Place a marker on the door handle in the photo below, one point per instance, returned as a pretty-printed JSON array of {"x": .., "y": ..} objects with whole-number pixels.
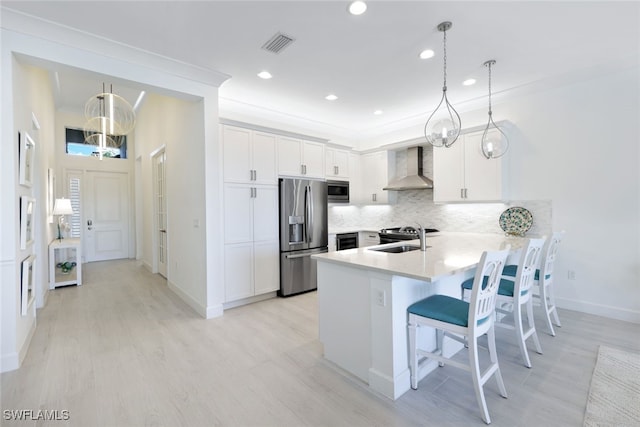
[{"x": 89, "y": 224}]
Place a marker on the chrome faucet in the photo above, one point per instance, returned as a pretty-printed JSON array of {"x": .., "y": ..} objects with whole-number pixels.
[{"x": 423, "y": 237}]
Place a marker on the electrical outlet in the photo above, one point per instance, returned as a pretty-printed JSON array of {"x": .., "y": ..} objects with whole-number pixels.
[
  {"x": 571, "y": 274},
  {"x": 381, "y": 298}
]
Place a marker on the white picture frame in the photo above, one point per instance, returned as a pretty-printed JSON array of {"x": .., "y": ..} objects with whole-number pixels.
[
  {"x": 27, "y": 221},
  {"x": 26, "y": 152},
  {"x": 27, "y": 283}
]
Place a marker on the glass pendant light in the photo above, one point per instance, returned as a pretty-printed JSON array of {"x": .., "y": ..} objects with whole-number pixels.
[
  {"x": 108, "y": 114},
  {"x": 443, "y": 132},
  {"x": 494, "y": 141}
]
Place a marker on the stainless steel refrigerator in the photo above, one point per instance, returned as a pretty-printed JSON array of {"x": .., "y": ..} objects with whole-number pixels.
[{"x": 303, "y": 232}]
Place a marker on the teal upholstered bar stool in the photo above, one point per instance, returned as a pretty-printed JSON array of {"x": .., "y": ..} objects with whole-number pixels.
[
  {"x": 464, "y": 322},
  {"x": 514, "y": 295},
  {"x": 544, "y": 279}
]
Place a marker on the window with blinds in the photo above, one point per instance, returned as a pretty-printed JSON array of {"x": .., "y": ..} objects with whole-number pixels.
[{"x": 75, "y": 220}]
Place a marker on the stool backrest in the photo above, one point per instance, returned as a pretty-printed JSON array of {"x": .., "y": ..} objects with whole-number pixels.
[
  {"x": 482, "y": 303},
  {"x": 549, "y": 253},
  {"x": 529, "y": 261}
]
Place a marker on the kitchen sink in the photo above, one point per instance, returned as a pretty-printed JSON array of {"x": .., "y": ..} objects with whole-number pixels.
[{"x": 397, "y": 249}]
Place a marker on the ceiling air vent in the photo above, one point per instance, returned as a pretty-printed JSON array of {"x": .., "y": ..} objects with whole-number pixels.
[{"x": 278, "y": 42}]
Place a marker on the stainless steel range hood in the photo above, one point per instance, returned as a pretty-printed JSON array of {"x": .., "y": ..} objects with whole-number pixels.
[{"x": 414, "y": 179}]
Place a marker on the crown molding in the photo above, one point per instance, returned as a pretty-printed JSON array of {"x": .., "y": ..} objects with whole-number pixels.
[{"x": 64, "y": 36}]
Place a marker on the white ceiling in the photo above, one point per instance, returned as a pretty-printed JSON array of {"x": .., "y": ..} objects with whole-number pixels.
[{"x": 370, "y": 61}]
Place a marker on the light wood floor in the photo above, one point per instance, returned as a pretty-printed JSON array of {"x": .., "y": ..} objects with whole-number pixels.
[{"x": 123, "y": 350}]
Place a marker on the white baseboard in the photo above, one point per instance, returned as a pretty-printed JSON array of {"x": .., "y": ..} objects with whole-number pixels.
[
  {"x": 249, "y": 300},
  {"x": 599, "y": 310},
  {"x": 27, "y": 341},
  {"x": 199, "y": 308},
  {"x": 214, "y": 311},
  {"x": 9, "y": 362},
  {"x": 146, "y": 265},
  {"x": 12, "y": 361}
]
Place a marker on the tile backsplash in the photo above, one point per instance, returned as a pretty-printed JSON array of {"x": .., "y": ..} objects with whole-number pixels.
[{"x": 417, "y": 206}]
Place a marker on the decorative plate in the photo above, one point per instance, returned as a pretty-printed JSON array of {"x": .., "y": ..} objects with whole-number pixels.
[{"x": 516, "y": 221}]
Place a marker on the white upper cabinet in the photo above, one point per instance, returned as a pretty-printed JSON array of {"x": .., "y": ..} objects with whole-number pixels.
[
  {"x": 336, "y": 164},
  {"x": 462, "y": 174},
  {"x": 249, "y": 156},
  {"x": 374, "y": 168},
  {"x": 300, "y": 158}
]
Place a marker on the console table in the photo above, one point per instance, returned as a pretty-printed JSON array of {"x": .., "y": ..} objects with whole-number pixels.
[{"x": 61, "y": 252}]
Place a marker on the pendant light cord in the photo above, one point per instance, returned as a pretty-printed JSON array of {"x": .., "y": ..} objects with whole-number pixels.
[
  {"x": 444, "y": 88},
  {"x": 489, "y": 65}
]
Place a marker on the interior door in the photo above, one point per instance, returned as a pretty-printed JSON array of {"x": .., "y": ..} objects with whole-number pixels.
[
  {"x": 160, "y": 210},
  {"x": 106, "y": 218}
]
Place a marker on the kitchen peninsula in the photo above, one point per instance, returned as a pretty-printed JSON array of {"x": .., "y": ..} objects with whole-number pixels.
[{"x": 363, "y": 295}]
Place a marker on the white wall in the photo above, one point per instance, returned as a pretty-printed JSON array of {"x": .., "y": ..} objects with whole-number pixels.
[
  {"x": 179, "y": 127},
  {"x": 578, "y": 146},
  {"x": 30, "y": 100}
]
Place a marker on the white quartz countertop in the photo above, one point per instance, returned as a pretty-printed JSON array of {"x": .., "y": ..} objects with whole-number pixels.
[{"x": 448, "y": 253}]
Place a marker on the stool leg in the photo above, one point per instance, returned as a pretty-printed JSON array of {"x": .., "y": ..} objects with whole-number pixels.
[
  {"x": 413, "y": 357},
  {"x": 474, "y": 363},
  {"x": 517, "y": 318},
  {"x": 440, "y": 344},
  {"x": 493, "y": 356},
  {"x": 552, "y": 300},
  {"x": 532, "y": 326},
  {"x": 545, "y": 305}
]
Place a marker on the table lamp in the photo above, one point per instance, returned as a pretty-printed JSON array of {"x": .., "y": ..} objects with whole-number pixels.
[{"x": 61, "y": 208}]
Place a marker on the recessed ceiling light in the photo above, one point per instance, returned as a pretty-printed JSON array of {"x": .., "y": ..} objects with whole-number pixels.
[
  {"x": 469, "y": 82},
  {"x": 331, "y": 97},
  {"x": 264, "y": 75},
  {"x": 377, "y": 112},
  {"x": 357, "y": 7},
  {"x": 426, "y": 54}
]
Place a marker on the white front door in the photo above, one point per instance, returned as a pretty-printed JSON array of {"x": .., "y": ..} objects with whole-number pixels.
[
  {"x": 160, "y": 210},
  {"x": 106, "y": 216}
]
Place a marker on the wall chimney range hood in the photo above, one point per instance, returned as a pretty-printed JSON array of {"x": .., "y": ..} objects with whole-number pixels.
[{"x": 414, "y": 179}]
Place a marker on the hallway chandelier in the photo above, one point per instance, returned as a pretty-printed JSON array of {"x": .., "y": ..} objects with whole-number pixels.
[
  {"x": 109, "y": 118},
  {"x": 494, "y": 141},
  {"x": 443, "y": 132}
]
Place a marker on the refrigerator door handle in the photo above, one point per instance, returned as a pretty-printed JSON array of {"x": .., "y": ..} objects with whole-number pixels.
[
  {"x": 310, "y": 222},
  {"x": 298, "y": 256},
  {"x": 305, "y": 253},
  {"x": 306, "y": 214}
]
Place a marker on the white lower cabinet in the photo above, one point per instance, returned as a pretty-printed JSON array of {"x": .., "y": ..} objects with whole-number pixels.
[
  {"x": 368, "y": 238},
  {"x": 251, "y": 269},
  {"x": 266, "y": 266},
  {"x": 252, "y": 246},
  {"x": 332, "y": 243}
]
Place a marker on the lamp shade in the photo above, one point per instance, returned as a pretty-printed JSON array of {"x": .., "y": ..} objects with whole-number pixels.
[{"x": 62, "y": 207}]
